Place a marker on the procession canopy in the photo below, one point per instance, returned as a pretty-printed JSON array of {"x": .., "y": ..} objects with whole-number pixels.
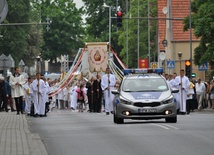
[{"x": 90, "y": 62}]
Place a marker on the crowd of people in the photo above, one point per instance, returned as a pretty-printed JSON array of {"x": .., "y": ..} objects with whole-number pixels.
[
  {"x": 93, "y": 95},
  {"x": 194, "y": 94},
  {"x": 31, "y": 96}
]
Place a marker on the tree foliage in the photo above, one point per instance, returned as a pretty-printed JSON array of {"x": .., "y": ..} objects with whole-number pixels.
[
  {"x": 28, "y": 41},
  {"x": 66, "y": 29},
  {"x": 143, "y": 33},
  {"x": 97, "y": 20},
  {"x": 202, "y": 22},
  {"x": 15, "y": 38}
]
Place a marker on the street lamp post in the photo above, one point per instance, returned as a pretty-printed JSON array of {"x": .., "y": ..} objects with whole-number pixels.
[
  {"x": 110, "y": 8},
  {"x": 190, "y": 29}
]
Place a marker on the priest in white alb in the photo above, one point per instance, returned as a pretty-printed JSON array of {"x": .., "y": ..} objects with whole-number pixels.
[
  {"x": 39, "y": 90},
  {"x": 182, "y": 83},
  {"x": 108, "y": 82}
]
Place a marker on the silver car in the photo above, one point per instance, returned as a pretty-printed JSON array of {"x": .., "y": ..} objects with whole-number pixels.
[{"x": 144, "y": 96}]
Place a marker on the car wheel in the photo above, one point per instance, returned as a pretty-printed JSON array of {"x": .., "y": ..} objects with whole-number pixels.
[
  {"x": 171, "y": 119},
  {"x": 116, "y": 119}
]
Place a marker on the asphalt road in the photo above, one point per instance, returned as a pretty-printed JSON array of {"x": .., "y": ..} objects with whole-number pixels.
[{"x": 73, "y": 133}]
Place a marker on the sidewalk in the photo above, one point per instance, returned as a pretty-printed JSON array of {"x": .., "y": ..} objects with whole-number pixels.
[{"x": 15, "y": 137}]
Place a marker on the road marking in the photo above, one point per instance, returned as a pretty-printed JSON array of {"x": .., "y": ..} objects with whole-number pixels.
[
  {"x": 171, "y": 126},
  {"x": 166, "y": 126},
  {"x": 161, "y": 126}
]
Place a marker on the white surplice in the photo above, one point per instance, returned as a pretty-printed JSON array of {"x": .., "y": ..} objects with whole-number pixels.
[
  {"x": 182, "y": 83},
  {"x": 38, "y": 88},
  {"x": 28, "y": 97},
  {"x": 108, "y": 80}
]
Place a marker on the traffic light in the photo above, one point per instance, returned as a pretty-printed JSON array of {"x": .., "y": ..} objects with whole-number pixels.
[
  {"x": 188, "y": 68},
  {"x": 193, "y": 75},
  {"x": 119, "y": 18}
]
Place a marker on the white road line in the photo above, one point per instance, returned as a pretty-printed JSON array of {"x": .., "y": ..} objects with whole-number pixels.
[
  {"x": 164, "y": 127},
  {"x": 171, "y": 126}
]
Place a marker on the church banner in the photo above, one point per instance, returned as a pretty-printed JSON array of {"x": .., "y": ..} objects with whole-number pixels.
[{"x": 98, "y": 57}]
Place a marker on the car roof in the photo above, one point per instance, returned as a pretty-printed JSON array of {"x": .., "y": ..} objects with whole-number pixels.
[{"x": 136, "y": 76}]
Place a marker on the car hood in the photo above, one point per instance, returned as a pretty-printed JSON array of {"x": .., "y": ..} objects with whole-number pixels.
[{"x": 145, "y": 96}]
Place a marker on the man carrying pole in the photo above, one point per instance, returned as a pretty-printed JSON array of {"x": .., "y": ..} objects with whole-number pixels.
[
  {"x": 108, "y": 82},
  {"x": 182, "y": 83},
  {"x": 38, "y": 88}
]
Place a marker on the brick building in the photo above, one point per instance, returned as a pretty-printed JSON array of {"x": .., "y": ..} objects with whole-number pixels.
[{"x": 171, "y": 31}]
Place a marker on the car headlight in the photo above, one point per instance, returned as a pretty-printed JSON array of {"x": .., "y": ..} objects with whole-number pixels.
[
  {"x": 122, "y": 101},
  {"x": 169, "y": 100}
]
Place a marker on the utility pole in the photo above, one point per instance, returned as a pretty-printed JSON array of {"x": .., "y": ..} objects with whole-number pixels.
[
  {"x": 138, "y": 34},
  {"x": 149, "y": 32},
  {"x": 109, "y": 39},
  {"x": 127, "y": 35},
  {"x": 190, "y": 29}
]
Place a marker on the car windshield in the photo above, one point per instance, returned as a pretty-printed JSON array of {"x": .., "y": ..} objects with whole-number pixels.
[{"x": 144, "y": 84}]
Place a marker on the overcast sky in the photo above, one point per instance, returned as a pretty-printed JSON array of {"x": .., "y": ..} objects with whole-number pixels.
[{"x": 79, "y": 3}]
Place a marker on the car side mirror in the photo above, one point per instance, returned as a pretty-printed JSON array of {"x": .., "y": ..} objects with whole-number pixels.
[
  {"x": 115, "y": 92},
  {"x": 174, "y": 90}
]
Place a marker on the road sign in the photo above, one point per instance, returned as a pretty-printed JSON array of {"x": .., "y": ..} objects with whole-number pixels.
[
  {"x": 162, "y": 55},
  {"x": 21, "y": 63},
  {"x": 170, "y": 64},
  {"x": 154, "y": 64},
  {"x": 203, "y": 67}
]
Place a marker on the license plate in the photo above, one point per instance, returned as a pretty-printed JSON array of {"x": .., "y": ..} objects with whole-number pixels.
[{"x": 147, "y": 110}]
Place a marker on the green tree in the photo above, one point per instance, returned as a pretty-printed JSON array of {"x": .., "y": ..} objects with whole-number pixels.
[
  {"x": 97, "y": 22},
  {"x": 15, "y": 38},
  {"x": 66, "y": 29},
  {"x": 203, "y": 25}
]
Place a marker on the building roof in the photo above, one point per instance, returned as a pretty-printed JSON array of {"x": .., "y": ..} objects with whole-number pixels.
[{"x": 180, "y": 9}]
